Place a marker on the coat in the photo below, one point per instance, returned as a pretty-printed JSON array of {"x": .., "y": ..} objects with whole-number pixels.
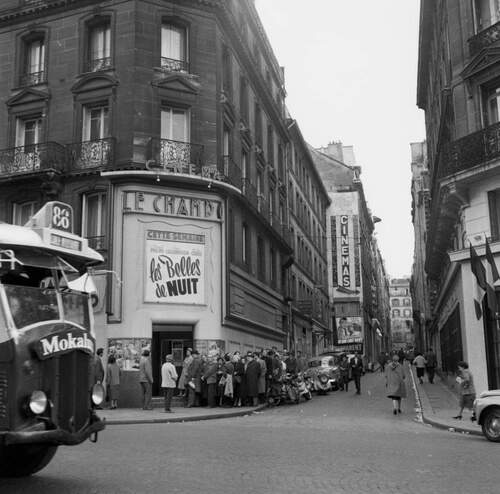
[
  {"x": 210, "y": 373},
  {"x": 145, "y": 370},
  {"x": 356, "y": 366},
  {"x": 194, "y": 373},
  {"x": 168, "y": 375},
  {"x": 252, "y": 374},
  {"x": 395, "y": 378},
  {"x": 98, "y": 370},
  {"x": 185, "y": 365},
  {"x": 262, "y": 377}
]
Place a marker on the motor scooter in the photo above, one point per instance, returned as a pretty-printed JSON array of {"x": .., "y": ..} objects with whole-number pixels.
[{"x": 303, "y": 386}]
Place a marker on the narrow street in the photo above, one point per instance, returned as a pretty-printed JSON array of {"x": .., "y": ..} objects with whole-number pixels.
[{"x": 334, "y": 444}]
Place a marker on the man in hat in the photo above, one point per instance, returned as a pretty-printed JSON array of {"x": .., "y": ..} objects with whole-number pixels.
[
  {"x": 146, "y": 380},
  {"x": 168, "y": 380}
]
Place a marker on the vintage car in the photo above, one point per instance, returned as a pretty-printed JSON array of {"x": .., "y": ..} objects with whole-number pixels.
[
  {"x": 487, "y": 413},
  {"x": 324, "y": 373}
]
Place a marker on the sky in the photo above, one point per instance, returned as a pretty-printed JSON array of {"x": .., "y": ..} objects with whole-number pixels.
[{"x": 351, "y": 76}]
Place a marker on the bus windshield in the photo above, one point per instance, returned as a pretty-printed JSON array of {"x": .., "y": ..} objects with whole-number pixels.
[{"x": 30, "y": 305}]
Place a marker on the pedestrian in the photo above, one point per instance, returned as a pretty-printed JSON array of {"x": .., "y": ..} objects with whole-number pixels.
[
  {"x": 262, "y": 377},
  {"x": 466, "y": 388},
  {"x": 382, "y": 360},
  {"x": 193, "y": 380},
  {"x": 168, "y": 380},
  {"x": 114, "y": 374},
  {"x": 290, "y": 362},
  {"x": 185, "y": 364},
  {"x": 238, "y": 375},
  {"x": 402, "y": 356},
  {"x": 395, "y": 383},
  {"x": 344, "y": 372},
  {"x": 252, "y": 374},
  {"x": 419, "y": 362},
  {"x": 431, "y": 364},
  {"x": 209, "y": 378},
  {"x": 146, "y": 380},
  {"x": 356, "y": 371}
]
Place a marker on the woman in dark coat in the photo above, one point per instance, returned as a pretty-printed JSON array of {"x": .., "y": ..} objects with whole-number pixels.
[
  {"x": 252, "y": 374},
  {"x": 395, "y": 383}
]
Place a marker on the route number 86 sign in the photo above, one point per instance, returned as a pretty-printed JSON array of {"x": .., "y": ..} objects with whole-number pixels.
[{"x": 61, "y": 216}]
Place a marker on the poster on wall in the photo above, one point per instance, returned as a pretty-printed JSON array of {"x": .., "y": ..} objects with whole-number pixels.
[
  {"x": 175, "y": 268},
  {"x": 211, "y": 348},
  {"x": 349, "y": 330},
  {"x": 128, "y": 351}
]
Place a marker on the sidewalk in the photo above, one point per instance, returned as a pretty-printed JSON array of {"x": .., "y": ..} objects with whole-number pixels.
[
  {"x": 438, "y": 406},
  {"x": 121, "y": 416}
]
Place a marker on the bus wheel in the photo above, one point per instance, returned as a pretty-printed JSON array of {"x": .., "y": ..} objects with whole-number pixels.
[{"x": 22, "y": 460}]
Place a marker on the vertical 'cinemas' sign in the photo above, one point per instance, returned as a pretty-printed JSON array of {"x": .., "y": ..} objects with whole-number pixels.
[
  {"x": 345, "y": 258},
  {"x": 175, "y": 267}
]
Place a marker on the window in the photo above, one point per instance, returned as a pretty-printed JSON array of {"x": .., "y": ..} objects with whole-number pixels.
[
  {"x": 99, "y": 46},
  {"x": 33, "y": 71},
  {"x": 22, "y": 212},
  {"x": 95, "y": 123},
  {"x": 244, "y": 244},
  {"x": 396, "y": 313},
  {"x": 94, "y": 218},
  {"x": 261, "y": 259},
  {"x": 491, "y": 104},
  {"x": 28, "y": 132},
  {"x": 174, "y": 48},
  {"x": 494, "y": 209},
  {"x": 227, "y": 76},
  {"x": 175, "y": 124},
  {"x": 395, "y": 302},
  {"x": 244, "y": 99},
  {"x": 487, "y": 13},
  {"x": 407, "y": 313}
]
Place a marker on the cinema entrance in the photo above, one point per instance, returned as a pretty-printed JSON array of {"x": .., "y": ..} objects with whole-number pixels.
[{"x": 169, "y": 338}]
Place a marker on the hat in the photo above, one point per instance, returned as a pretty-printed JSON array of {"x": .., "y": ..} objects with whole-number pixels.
[{"x": 169, "y": 357}]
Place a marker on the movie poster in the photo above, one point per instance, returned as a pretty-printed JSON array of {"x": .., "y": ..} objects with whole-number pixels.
[
  {"x": 175, "y": 268},
  {"x": 128, "y": 351},
  {"x": 349, "y": 330}
]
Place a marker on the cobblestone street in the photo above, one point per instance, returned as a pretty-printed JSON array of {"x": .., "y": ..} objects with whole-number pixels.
[{"x": 334, "y": 444}]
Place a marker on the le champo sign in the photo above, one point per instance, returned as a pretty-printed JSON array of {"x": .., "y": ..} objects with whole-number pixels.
[{"x": 175, "y": 267}]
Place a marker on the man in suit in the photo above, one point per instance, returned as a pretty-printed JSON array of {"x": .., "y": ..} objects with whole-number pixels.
[{"x": 356, "y": 365}]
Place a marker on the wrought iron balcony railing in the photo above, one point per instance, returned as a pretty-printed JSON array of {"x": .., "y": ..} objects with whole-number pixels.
[
  {"x": 171, "y": 64},
  {"x": 97, "y": 64},
  {"x": 33, "y": 78},
  {"x": 469, "y": 151},
  {"x": 178, "y": 157},
  {"x": 484, "y": 38},
  {"x": 32, "y": 159},
  {"x": 88, "y": 155}
]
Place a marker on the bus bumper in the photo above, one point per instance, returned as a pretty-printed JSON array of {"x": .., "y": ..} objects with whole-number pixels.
[{"x": 40, "y": 434}]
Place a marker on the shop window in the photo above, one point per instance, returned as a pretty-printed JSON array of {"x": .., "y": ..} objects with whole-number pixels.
[
  {"x": 174, "y": 47},
  {"x": 487, "y": 13},
  {"x": 33, "y": 60},
  {"x": 94, "y": 219},
  {"x": 98, "y": 45},
  {"x": 22, "y": 212}
]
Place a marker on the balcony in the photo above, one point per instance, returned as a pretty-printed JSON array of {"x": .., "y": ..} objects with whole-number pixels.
[
  {"x": 484, "y": 38},
  {"x": 179, "y": 157},
  {"x": 97, "y": 242},
  {"x": 34, "y": 158},
  {"x": 172, "y": 65},
  {"x": 469, "y": 151},
  {"x": 33, "y": 78},
  {"x": 91, "y": 155},
  {"x": 98, "y": 64}
]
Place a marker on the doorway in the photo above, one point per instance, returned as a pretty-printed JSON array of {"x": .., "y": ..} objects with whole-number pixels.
[{"x": 169, "y": 338}]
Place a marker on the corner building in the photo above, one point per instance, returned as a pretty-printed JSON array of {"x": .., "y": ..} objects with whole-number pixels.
[{"x": 163, "y": 124}]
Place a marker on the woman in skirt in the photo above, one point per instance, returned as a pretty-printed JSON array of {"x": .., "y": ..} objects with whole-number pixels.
[
  {"x": 395, "y": 383},
  {"x": 466, "y": 388}
]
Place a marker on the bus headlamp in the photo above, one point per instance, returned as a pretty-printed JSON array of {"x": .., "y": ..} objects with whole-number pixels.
[
  {"x": 97, "y": 394},
  {"x": 38, "y": 402}
]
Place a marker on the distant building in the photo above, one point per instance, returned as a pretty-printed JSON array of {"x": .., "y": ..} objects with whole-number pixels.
[
  {"x": 420, "y": 213},
  {"x": 355, "y": 268},
  {"x": 401, "y": 313}
]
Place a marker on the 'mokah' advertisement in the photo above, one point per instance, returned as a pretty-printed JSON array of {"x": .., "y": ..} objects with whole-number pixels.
[{"x": 175, "y": 264}]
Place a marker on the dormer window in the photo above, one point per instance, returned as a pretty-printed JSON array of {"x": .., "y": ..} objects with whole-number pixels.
[
  {"x": 33, "y": 64},
  {"x": 174, "y": 48},
  {"x": 99, "y": 46}
]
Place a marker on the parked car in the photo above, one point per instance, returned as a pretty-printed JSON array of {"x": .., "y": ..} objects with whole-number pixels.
[
  {"x": 487, "y": 413},
  {"x": 324, "y": 373}
]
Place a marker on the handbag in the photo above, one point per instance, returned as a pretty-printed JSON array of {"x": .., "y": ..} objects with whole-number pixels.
[{"x": 191, "y": 384}]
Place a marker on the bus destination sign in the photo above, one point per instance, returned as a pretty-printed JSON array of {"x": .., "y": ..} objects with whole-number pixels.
[{"x": 65, "y": 242}]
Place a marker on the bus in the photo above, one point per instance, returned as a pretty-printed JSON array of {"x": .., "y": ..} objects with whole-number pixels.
[{"x": 48, "y": 393}]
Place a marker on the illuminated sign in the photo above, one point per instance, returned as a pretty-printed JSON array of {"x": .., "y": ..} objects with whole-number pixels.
[
  {"x": 345, "y": 260},
  {"x": 65, "y": 242}
]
